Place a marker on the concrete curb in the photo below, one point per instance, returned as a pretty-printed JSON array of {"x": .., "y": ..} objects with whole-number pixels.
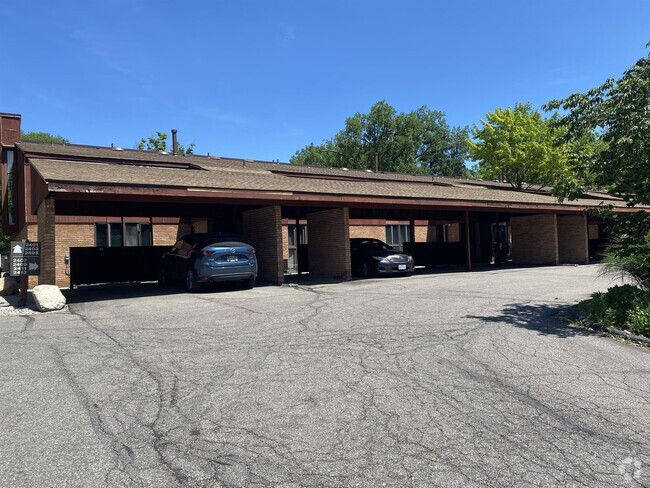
[{"x": 625, "y": 334}]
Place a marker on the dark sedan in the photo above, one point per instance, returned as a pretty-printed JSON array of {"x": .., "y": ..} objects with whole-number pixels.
[
  {"x": 374, "y": 257},
  {"x": 197, "y": 259}
]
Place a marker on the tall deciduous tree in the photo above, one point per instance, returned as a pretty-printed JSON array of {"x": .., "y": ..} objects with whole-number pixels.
[
  {"x": 517, "y": 145},
  {"x": 158, "y": 142},
  {"x": 414, "y": 142},
  {"x": 618, "y": 111}
]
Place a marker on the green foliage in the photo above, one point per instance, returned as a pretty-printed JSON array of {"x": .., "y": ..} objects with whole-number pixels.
[
  {"x": 518, "y": 145},
  {"x": 626, "y": 307},
  {"x": 414, "y": 142},
  {"x": 639, "y": 320},
  {"x": 619, "y": 111},
  {"x": 630, "y": 257},
  {"x": 42, "y": 137},
  {"x": 617, "y": 116},
  {"x": 4, "y": 242},
  {"x": 158, "y": 142}
]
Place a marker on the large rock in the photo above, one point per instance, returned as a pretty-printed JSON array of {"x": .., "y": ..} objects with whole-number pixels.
[
  {"x": 48, "y": 298},
  {"x": 8, "y": 286}
]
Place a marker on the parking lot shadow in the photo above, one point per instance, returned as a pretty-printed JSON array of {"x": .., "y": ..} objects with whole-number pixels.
[
  {"x": 96, "y": 293},
  {"x": 543, "y": 318}
]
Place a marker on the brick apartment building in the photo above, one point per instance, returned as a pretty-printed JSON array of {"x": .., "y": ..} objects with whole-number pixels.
[{"x": 298, "y": 217}]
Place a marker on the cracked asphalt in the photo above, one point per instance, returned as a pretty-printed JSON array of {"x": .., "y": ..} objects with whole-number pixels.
[{"x": 449, "y": 379}]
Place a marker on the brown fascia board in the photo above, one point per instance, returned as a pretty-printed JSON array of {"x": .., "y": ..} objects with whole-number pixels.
[{"x": 72, "y": 191}]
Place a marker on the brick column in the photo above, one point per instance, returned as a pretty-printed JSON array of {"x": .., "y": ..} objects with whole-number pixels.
[
  {"x": 47, "y": 237},
  {"x": 329, "y": 243},
  {"x": 263, "y": 227},
  {"x": 534, "y": 239},
  {"x": 573, "y": 239}
]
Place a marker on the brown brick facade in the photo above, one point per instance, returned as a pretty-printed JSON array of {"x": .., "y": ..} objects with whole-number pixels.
[
  {"x": 573, "y": 239},
  {"x": 165, "y": 234},
  {"x": 329, "y": 243},
  {"x": 263, "y": 227},
  {"x": 67, "y": 236},
  {"x": 534, "y": 239},
  {"x": 371, "y": 231},
  {"x": 47, "y": 237}
]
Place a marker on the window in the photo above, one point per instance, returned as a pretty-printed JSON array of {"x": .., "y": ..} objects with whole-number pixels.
[
  {"x": 117, "y": 234},
  {"x": 397, "y": 235},
  {"x": 11, "y": 188},
  {"x": 293, "y": 240}
]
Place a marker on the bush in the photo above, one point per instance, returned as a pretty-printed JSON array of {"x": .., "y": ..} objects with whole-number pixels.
[
  {"x": 626, "y": 307},
  {"x": 639, "y": 320},
  {"x": 4, "y": 242}
]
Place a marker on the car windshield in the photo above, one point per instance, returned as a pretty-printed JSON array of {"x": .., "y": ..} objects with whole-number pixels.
[{"x": 376, "y": 246}]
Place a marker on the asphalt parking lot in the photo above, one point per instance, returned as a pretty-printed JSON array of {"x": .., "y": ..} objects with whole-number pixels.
[{"x": 452, "y": 379}]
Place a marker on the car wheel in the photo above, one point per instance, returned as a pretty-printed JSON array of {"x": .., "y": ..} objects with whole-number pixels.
[
  {"x": 250, "y": 282},
  {"x": 191, "y": 281},
  {"x": 364, "y": 270}
]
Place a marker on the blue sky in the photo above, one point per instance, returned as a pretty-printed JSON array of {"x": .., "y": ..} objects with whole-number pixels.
[{"x": 261, "y": 79}]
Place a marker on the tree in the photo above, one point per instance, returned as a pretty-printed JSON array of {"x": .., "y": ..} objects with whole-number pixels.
[
  {"x": 517, "y": 145},
  {"x": 415, "y": 142},
  {"x": 42, "y": 137},
  {"x": 618, "y": 113},
  {"x": 158, "y": 142}
]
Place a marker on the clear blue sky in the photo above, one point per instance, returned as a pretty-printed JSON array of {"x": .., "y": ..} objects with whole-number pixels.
[{"x": 261, "y": 79}]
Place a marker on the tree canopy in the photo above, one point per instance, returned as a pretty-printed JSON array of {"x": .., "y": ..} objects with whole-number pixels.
[
  {"x": 517, "y": 145},
  {"x": 158, "y": 142},
  {"x": 43, "y": 137},
  {"x": 618, "y": 111},
  {"x": 416, "y": 142}
]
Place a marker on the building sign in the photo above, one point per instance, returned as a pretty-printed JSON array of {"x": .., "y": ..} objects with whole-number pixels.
[{"x": 25, "y": 258}]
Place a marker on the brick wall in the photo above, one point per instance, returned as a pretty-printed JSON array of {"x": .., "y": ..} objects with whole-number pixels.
[
  {"x": 67, "y": 236},
  {"x": 421, "y": 233},
  {"x": 534, "y": 239},
  {"x": 263, "y": 227},
  {"x": 46, "y": 235},
  {"x": 573, "y": 239},
  {"x": 329, "y": 243},
  {"x": 165, "y": 234},
  {"x": 370, "y": 231}
]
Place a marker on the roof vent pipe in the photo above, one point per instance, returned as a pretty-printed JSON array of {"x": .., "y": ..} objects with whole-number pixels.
[{"x": 174, "y": 142}]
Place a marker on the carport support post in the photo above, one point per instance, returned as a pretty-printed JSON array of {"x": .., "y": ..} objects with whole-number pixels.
[
  {"x": 329, "y": 243},
  {"x": 46, "y": 235},
  {"x": 468, "y": 244},
  {"x": 263, "y": 227}
]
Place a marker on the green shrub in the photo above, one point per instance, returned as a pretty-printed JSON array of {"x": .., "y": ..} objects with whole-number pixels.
[
  {"x": 639, "y": 320},
  {"x": 612, "y": 307},
  {"x": 626, "y": 307}
]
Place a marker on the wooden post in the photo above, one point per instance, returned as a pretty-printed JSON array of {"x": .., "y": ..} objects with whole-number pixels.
[{"x": 468, "y": 244}]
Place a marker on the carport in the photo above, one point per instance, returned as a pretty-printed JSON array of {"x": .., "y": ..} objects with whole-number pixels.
[{"x": 71, "y": 190}]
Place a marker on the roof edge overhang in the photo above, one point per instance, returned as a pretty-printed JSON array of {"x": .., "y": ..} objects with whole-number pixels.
[{"x": 117, "y": 193}]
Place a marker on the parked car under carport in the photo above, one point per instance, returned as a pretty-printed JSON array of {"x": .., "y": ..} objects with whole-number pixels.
[
  {"x": 198, "y": 259},
  {"x": 374, "y": 257}
]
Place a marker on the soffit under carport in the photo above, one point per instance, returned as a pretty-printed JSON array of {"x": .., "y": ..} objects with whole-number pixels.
[{"x": 103, "y": 181}]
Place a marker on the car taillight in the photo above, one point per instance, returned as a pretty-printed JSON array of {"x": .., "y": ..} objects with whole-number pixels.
[
  {"x": 205, "y": 252},
  {"x": 251, "y": 250}
]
